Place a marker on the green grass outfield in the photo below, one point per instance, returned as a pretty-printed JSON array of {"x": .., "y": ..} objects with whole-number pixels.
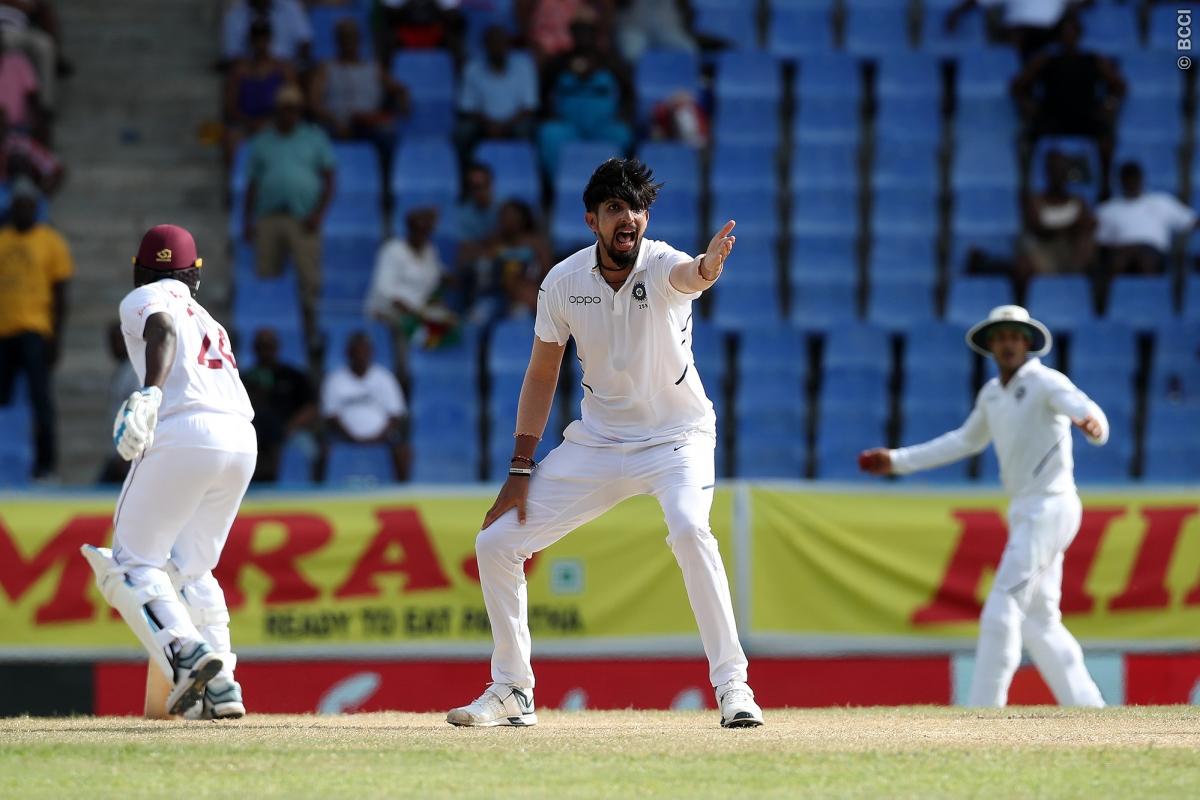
[{"x": 874, "y": 753}]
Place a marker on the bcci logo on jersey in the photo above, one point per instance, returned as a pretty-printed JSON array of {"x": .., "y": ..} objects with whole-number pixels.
[{"x": 639, "y": 294}]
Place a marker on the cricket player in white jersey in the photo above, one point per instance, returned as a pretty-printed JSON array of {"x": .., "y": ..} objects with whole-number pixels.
[
  {"x": 1027, "y": 413},
  {"x": 188, "y": 433},
  {"x": 646, "y": 428}
]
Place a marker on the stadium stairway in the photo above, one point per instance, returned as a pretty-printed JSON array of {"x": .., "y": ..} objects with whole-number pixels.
[{"x": 127, "y": 128}]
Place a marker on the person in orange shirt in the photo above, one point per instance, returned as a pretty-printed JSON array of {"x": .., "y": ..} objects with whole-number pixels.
[{"x": 35, "y": 265}]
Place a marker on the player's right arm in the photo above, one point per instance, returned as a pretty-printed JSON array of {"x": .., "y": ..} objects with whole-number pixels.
[
  {"x": 972, "y": 437},
  {"x": 133, "y": 429},
  {"x": 533, "y": 409},
  {"x": 159, "y": 335}
]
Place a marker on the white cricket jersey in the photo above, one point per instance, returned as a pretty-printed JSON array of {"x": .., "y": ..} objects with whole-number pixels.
[
  {"x": 1028, "y": 421},
  {"x": 204, "y": 403},
  {"x": 634, "y": 347}
]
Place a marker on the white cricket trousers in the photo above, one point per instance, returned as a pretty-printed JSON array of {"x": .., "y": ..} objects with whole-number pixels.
[
  {"x": 575, "y": 484},
  {"x": 174, "y": 514},
  {"x": 1023, "y": 606}
]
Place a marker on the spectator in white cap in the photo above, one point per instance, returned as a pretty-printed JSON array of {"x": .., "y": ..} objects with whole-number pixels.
[{"x": 1027, "y": 413}]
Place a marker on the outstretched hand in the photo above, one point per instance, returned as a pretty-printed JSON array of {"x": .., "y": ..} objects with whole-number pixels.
[
  {"x": 718, "y": 250},
  {"x": 1089, "y": 425},
  {"x": 877, "y": 461}
]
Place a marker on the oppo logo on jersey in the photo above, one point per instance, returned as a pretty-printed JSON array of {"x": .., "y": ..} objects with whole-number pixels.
[{"x": 586, "y": 300}]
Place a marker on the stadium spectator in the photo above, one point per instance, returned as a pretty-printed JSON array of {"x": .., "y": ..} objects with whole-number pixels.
[
  {"x": 477, "y": 211},
  {"x": 1059, "y": 226},
  {"x": 19, "y": 86},
  {"x": 123, "y": 382},
  {"x": 420, "y": 24},
  {"x": 35, "y": 266},
  {"x": 251, "y": 86},
  {"x": 407, "y": 284},
  {"x": 652, "y": 25},
  {"x": 1029, "y": 25},
  {"x": 1071, "y": 92},
  {"x": 517, "y": 260},
  {"x": 283, "y": 399},
  {"x": 291, "y": 32},
  {"x": 585, "y": 99},
  {"x": 499, "y": 93},
  {"x": 548, "y": 24},
  {"x": 21, "y": 154},
  {"x": 354, "y": 97},
  {"x": 32, "y": 27},
  {"x": 291, "y": 172},
  {"x": 1136, "y": 228},
  {"x": 362, "y": 402}
]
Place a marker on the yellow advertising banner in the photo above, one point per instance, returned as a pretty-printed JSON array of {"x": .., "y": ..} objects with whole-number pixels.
[
  {"x": 919, "y": 565},
  {"x": 362, "y": 570}
]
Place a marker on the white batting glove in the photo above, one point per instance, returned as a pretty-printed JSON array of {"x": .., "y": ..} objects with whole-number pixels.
[{"x": 133, "y": 429}]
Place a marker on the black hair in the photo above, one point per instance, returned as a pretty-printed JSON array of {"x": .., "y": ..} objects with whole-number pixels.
[
  {"x": 622, "y": 179},
  {"x": 1130, "y": 169},
  {"x": 528, "y": 218},
  {"x": 189, "y": 277}
]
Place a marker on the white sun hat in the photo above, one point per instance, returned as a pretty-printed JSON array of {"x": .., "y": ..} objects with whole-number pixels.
[{"x": 1040, "y": 340}]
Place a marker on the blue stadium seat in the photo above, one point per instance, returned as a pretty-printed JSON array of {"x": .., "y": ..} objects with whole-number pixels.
[
  {"x": 359, "y": 465},
  {"x": 456, "y": 362},
  {"x": 826, "y": 119},
  {"x": 1175, "y": 369},
  {"x": 742, "y": 168},
  {"x": 754, "y": 262},
  {"x": 913, "y": 117},
  {"x": 769, "y": 455},
  {"x": 756, "y": 213},
  {"x": 741, "y": 306},
  {"x": 858, "y": 346},
  {"x": 429, "y": 76},
  {"x": 567, "y": 230},
  {"x": 427, "y": 168},
  {"x": 937, "y": 346},
  {"x": 985, "y": 117},
  {"x": 829, "y": 212},
  {"x": 337, "y": 336},
  {"x": 1110, "y": 29},
  {"x": 296, "y": 463},
  {"x": 851, "y": 395},
  {"x": 509, "y": 344},
  {"x": 822, "y": 253},
  {"x": 291, "y": 347},
  {"x": 777, "y": 349},
  {"x": 708, "y": 354},
  {"x": 986, "y": 72},
  {"x": 1191, "y": 298},
  {"x": 762, "y": 394},
  {"x": 1163, "y": 30},
  {"x": 900, "y": 210},
  {"x": 970, "y": 299},
  {"x": 1149, "y": 119},
  {"x": 749, "y": 74},
  {"x": 676, "y": 217},
  {"x": 943, "y": 393},
  {"x": 732, "y": 21},
  {"x": 980, "y": 162},
  {"x": 577, "y": 161},
  {"x": 984, "y": 211},
  {"x": 874, "y": 29},
  {"x": 1159, "y": 161},
  {"x": 16, "y": 446},
  {"x": 969, "y": 36},
  {"x": 354, "y": 214},
  {"x": 903, "y": 259},
  {"x": 661, "y": 73},
  {"x": 899, "y": 304},
  {"x": 795, "y": 31},
  {"x": 1142, "y": 302},
  {"x": 272, "y": 302},
  {"x": 993, "y": 246},
  {"x": 514, "y": 170},
  {"x": 747, "y": 121},
  {"x": 919, "y": 425},
  {"x": 900, "y": 161},
  {"x": 1104, "y": 344},
  {"x": 1171, "y": 442},
  {"x": 1063, "y": 302},
  {"x": 830, "y": 75},
  {"x": 1143, "y": 70},
  {"x": 908, "y": 74},
  {"x": 816, "y": 166},
  {"x": 358, "y": 168},
  {"x": 674, "y": 164},
  {"x": 819, "y": 304}
]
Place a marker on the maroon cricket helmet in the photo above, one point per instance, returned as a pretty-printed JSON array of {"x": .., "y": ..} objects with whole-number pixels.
[{"x": 167, "y": 248}]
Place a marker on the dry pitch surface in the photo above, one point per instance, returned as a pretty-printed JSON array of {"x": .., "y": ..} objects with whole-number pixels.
[{"x": 876, "y": 753}]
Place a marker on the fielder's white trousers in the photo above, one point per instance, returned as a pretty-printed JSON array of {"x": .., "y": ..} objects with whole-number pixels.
[
  {"x": 174, "y": 514},
  {"x": 1023, "y": 607},
  {"x": 575, "y": 484}
]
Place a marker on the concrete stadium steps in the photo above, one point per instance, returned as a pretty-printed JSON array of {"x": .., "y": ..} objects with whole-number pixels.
[{"x": 127, "y": 126}]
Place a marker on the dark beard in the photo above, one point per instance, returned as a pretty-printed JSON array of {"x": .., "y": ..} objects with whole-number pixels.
[{"x": 623, "y": 260}]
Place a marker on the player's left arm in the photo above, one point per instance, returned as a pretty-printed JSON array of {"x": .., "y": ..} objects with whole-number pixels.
[
  {"x": 1066, "y": 399},
  {"x": 702, "y": 272}
]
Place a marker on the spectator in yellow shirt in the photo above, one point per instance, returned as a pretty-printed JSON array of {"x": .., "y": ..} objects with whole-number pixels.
[{"x": 35, "y": 265}]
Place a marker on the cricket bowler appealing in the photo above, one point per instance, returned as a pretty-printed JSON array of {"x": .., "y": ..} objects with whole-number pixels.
[
  {"x": 193, "y": 449},
  {"x": 647, "y": 427},
  {"x": 1027, "y": 413}
]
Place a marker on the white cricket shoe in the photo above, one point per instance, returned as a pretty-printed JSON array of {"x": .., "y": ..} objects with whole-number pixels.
[
  {"x": 194, "y": 668},
  {"x": 738, "y": 709},
  {"x": 500, "y": 704}
]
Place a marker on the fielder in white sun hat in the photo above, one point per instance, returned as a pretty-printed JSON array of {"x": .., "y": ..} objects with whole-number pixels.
[{"x": 1015, "y": 316}]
